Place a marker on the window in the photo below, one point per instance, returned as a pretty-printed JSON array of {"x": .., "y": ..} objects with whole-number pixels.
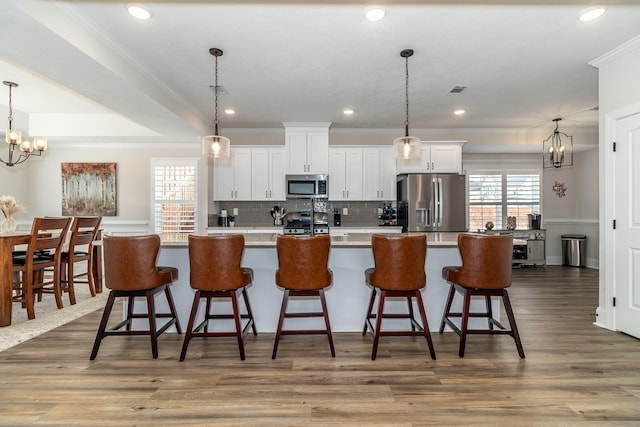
[
  {"x": 175, "y": 197},
  {"x": 493, "y": 196}
]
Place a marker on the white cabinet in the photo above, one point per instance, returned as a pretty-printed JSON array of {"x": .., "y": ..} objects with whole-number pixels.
[
  {"x": 267, "y": 173},
  {"x": 436, "y": 158},
  {"x": 345, "y": 173},
  {"x": 232, "y": 175},
  {"x": 307, "y": 149},
  {"x": 378, "y": 173}
]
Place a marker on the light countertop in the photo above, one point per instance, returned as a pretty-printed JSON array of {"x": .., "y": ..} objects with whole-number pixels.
[{"x": 353, "y": 240}]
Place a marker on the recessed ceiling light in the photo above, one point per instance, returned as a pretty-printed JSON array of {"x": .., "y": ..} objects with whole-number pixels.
[
  {"x": 374, "y": 14},
  {"x": 591, "y": 13},
  {"x": 348, "y": 112},
  {"x": 459, "y": 112},
  {"x": 230, "y": 111},
  {"x": 138, "y": 11}
]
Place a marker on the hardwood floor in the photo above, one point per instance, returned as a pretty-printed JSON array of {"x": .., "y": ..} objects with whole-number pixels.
[{"x": 575, "y": 374}]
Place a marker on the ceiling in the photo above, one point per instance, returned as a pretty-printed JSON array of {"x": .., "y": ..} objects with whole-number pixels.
[{"x": 89, "y": 69}]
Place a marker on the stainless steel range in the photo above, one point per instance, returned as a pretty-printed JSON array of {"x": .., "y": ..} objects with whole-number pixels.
[{"x": 299, "y": 223}]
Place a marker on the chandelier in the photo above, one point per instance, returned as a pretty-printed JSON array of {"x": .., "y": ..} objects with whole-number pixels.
[
  {"x": 216, "y": 145},
  {"x": 557, "y": 149},
  {"x": 407, "y": 147},
  {"x": 14, "y": 139}
]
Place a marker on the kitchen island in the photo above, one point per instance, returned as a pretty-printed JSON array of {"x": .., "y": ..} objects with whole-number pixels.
[{"x": 347, "y": 297}]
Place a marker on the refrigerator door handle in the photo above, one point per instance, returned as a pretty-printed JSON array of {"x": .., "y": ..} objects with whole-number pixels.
[{"x": 440, "y": 202}]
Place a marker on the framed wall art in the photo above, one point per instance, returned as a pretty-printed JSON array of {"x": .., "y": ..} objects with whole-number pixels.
[{"x": 89, "y": 189}]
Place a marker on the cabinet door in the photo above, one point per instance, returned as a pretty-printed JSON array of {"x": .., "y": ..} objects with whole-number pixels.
[
  {"x": 337, "y": 174},
  {"x": 260, "y": 174},
  {"x": 296, "y": 142},
  {"x": 223, "y": 178},
  {"x": 242, "y": 173},
  {"x": 535, "y": 251},
  {"x": 371, "y": 173},
  {"x": 353, "y": 173},
  {"x": 446, "y": 158},
  {"x": 421, "y": 165},
  {"x": 387, "y": 174},
  {"x": 318, "y": 152},
  {"x": 277, "y": 163}
]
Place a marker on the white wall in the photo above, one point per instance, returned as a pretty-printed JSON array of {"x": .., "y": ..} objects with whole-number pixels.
[{"x": 618, "y": 89}]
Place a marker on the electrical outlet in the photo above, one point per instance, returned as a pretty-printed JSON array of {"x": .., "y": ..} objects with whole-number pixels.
[
  {"x": 345, "y": 211},
  {"x": 235, "y": 211}
]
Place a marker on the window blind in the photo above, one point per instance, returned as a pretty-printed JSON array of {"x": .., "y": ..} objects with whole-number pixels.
[{"x": 175, "y": 194}]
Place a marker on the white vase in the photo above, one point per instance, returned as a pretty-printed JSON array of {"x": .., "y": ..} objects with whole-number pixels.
[{"x": 8, "y": 225}]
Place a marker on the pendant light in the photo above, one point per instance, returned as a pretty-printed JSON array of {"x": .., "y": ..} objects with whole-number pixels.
[
  {"x": 407, "y": 147},
  {"x": 216, "y": 145},
  {"x": 556, "y": 152},
  {"x": 14, "y": 139}
]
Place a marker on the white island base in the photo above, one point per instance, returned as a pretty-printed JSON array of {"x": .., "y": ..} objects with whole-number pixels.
[{"x": 347, "y": 297}]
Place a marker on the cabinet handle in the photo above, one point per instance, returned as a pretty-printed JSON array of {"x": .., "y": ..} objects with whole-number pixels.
[
  {"x": 381, "y": 194},
  {"x": 432, "y": 166},
  {"x": 231, "y": 194},
  {"x": 266, "y": 193},
  {"x": 269, "y": 193},
  {"x": 347, "y": 194},
  {"x": 343, "y": 194},
  {"x": 236, "y": 194}
]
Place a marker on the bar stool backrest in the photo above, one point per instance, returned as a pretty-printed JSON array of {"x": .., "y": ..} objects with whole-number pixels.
[
  {"x": 486, "y": 261},
  {"x": 399, "y": 261},
  {"x": 303, "y": 262},
  {"x": 215, "y": 262}
]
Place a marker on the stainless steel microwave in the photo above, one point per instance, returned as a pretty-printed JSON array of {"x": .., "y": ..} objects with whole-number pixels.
[{"x": 307, "y": 186}]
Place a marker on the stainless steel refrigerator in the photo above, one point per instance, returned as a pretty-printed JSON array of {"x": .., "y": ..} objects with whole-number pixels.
[{"x": 432, "y": 202}]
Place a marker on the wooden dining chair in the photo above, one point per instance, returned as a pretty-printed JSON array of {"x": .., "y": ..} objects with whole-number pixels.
[
  {"x": 83, "y": 233},
  {"x": 43, "y": 252}
]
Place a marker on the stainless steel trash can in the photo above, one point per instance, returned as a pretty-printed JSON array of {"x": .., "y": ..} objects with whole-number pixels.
[{"x": 574, "y": 250}]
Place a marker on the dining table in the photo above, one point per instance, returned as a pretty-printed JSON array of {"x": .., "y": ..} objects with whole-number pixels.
[{"x": 7, "y": 243}]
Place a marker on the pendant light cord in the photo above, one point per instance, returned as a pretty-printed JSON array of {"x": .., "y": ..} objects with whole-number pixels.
[
  {"x": 406, "y": 92},
  {"x": 10, "y": 110},
  {"x": 215, "y": 91}
]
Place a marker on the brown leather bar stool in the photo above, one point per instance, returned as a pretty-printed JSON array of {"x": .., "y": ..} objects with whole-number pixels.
[
  {"x": 130, "y": 272},
  {"x": 303, "y": 272},
  {"x": 485, "y": 271},
  {"x": 398, "y": 272},
  {"x": 216, "y": 273},
  {"x": 83, "y": 232}
]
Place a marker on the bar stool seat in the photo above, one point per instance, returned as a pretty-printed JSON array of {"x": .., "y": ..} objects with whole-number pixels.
[
  {"x": 398, "y": 272},
  {"x": 303, "y": 272}
]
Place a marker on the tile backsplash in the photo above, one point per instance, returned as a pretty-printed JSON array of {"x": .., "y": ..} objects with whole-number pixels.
[{"x": 256, "y": 214}]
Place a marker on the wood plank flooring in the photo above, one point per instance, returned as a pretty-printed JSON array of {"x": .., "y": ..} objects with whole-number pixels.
[{"x": 575, "y": 374}]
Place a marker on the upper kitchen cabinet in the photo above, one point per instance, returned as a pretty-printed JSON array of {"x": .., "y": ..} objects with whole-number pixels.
[
  {"x": 379, "y": 173},
  {"x": 307, "y": 147},
  {"x": 437, "y": 157},
  {"x": 345, "y": 173},
  {"x": 232, "y": 175},
  {"x": 268, "y": 165}
]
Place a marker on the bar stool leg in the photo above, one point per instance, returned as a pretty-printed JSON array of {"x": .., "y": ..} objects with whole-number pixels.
[
  {"x": 447, "y": 308},
  {"x": 192, "y": 318},
  {"x": 376, "y": 334},
  {"x": 325, "y": 312},
  {"x": 152, "y": 323},
  {"x": 249, "y": 312},
  {"x": 425, "y": 325},
  {"x": 369, "y": 314},
  {"x": 465, "y": 322},
  {"x": 236, "y": 317},
  {"x": 283, "y": 309},
  {"x": 103, "y": 324}
]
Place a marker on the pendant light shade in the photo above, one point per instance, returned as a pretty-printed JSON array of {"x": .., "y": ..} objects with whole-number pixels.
[
  {"x": 407, "y": 147},
  {"x": 216, "y": 145}
]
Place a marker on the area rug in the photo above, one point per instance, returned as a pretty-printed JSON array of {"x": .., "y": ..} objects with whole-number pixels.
[{"x": 48, "y": 316}]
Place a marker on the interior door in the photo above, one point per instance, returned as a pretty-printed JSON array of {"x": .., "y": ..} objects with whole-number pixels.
[{"x": 627, "y": 233}]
